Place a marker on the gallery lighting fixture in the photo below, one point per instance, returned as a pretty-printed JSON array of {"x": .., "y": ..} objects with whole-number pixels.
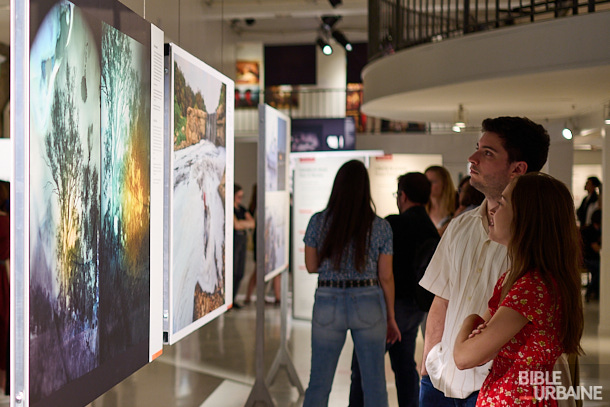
[
  {"x": 328, "y": 22},
  {"x": 566, "y": 133},
  {"x": 335, "y": 3},
  {"x": 341, "y": 39},
  {"x": 607, "y": 113},
  {"x": 460, "y": 119},
  {"x": 324, "y": 46}
]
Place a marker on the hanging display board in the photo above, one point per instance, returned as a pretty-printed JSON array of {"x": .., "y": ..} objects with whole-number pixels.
[
  {"x": 274, "y": 134},
  {"x": 314, "y": 174},
  {"x": 200, "y": 117},
  {"x": 384, "y": 172},
  {"x": 87, "y": 295},
  {"x": 313, "y": 177}
]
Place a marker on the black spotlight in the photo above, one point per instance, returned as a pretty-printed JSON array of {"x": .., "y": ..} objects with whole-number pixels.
[
  {"x": 335, "y": 3},
  {"x": 324, "y": 46},
  {"x": 330, "y": 21},
  {"x": 250, "y": 21},
  {"x": 341, "y": 39}
]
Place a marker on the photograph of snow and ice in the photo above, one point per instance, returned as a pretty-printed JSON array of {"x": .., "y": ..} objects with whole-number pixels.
[{"x": 199, "y": 229}]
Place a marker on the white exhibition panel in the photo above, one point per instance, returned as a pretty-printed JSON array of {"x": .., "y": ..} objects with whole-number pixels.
[
  {"x": 6, "y": 159},
  {"x": 384, "y": 172},
  {"x": 274, "y": 219},
  {"x": 87, "y": 201},
  {"x": 580, "y": 173},
  {"x": 314, "y": 174},
  {"x": 313, "y": 177},
  {"x": 199, "y": 190}
]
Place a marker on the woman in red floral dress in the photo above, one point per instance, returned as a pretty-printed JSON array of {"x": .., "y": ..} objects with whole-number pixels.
[{"x": 525, "y": 329}]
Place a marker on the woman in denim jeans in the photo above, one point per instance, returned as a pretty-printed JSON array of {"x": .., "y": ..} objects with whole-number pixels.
[{"x": 351, "y": 249}]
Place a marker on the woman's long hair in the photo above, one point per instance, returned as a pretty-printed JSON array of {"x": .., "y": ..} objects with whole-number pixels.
[
  {"x": 349, "y": 214},
  {"x": 447, "y": 201},
  {"x": 545, "y": 237}
]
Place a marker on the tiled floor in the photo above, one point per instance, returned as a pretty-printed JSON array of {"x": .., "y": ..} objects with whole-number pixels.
[{"x": 215, "y": 366}]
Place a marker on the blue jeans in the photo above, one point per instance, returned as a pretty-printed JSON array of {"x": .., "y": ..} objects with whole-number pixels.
[
  {"x": 402, "y": 357},
  {"x": 363, "y": 312},
  {"x": 431, "y": 397}
]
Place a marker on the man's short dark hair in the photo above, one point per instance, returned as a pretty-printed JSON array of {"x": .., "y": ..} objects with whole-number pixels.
[
  {"x": 416, "y": 187},
  {"x": 523, "y": 139}
]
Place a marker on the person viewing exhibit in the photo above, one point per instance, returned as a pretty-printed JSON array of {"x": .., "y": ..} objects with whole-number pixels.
[
  {"x": 242, "y": 222},
  {"x": 252, "y": 280},
  {"x": 468, "y": 197},
  {"x": 467, "y": 264},
  {"x": 535, "y": 313},
  {"x": 590, "y": 203},
  {"x": 441, "y": 205},
  {"x": 351, "y": 250},
  {"x": 415, "y": 237},
  {"x": 592, "y": 245}
]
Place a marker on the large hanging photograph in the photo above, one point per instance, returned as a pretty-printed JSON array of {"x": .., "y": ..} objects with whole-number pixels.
[
  {"x": 274, "y": 135},
  {"x": 201, "y": 119},
  {"x": 90, "y": 201}
]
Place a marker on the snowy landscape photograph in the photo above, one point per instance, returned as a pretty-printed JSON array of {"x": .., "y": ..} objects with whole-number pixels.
[
  {"x": 276, "y": 232},
  {"x": 199, "y": 166}
]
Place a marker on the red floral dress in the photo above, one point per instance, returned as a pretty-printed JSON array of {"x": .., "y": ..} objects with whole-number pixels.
[{"x": 534, "y": 349}]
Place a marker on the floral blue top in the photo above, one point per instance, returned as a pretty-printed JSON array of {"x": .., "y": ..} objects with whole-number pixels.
[{"x": 380, "y": 243}]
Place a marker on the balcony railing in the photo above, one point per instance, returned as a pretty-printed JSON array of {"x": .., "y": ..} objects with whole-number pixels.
[
  {"x": 399, "y": 24},
  {"x": 297, "y": 102}
]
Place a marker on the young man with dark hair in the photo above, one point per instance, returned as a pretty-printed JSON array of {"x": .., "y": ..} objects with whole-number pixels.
[{"x": 466, "y": 264}]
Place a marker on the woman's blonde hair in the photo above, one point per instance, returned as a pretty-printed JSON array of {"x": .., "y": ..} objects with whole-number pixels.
[{"x": 447, "y": 202}]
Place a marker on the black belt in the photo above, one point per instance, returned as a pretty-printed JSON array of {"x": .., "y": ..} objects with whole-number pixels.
[{"x": 348, "y": 283}]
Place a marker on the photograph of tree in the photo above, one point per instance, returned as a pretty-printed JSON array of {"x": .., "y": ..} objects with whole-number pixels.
[
  {"x": 89, "y": 297},
  {"x": 65, "y": 201},
  {"x": 125, "y": 198},
  {"x": 198, "y": 201}
]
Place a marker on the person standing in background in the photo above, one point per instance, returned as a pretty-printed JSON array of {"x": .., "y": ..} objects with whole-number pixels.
[
  {"x": 590, "y": 202},
  {"x": 242, "y": 222},
  {"x": 441, "y": 205}
]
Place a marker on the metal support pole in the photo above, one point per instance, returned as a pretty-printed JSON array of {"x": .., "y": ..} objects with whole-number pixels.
[
  {"x": 260, "y": 392},
  {"x": 19, "y": 264},
  {"x": 283, "y": 359}
]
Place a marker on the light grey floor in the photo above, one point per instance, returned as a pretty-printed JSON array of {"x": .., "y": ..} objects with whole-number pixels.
[{"x": 215, "y": 366}]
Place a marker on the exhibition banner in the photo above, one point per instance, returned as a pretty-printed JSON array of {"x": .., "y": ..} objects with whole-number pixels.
[
  {"x": 92, "y": 273},
  {"x": 200, "y": 115},
  {"x": 323, "y": 134},
  {"x": 313, "y": 177},
  {"x": 384, "y": 172},
  {"x": 314, "y": 174},
  {"x": 274, "y": 135}
]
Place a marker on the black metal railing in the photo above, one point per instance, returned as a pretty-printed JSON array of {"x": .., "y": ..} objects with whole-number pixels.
[{"x": 399, "y": 24}]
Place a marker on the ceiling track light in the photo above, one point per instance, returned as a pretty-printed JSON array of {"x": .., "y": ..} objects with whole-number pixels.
[
  {"x": 460, "y": 119},
  {"x": 607, "y": 113},
  {"x": 324, "y": 46},
  {"x": 335, "y": 3},
  {"x": 341, "y": 39}
]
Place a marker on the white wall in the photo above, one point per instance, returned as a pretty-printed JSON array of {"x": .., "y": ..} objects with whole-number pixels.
[{"x": 455, "y": 148}]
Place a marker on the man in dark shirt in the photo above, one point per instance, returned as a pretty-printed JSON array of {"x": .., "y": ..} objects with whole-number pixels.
[{"x": 411, "y": 229}]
